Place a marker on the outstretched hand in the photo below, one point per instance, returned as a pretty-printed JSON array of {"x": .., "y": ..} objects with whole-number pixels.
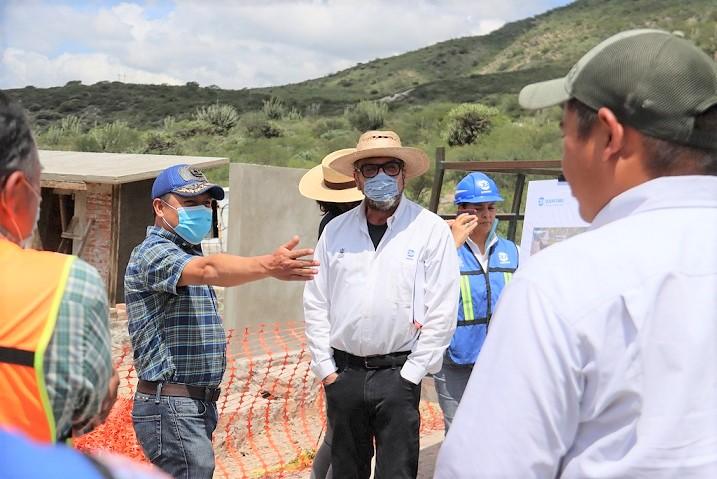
[
  {"x": 288, "y": 264},
  {"x": 462, "y": 227}
]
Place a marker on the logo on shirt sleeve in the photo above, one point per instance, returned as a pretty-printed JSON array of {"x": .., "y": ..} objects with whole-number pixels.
[{"x": 503, "y": 257}]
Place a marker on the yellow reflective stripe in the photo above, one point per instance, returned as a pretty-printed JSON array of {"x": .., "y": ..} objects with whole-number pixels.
[
  {"x": 468, "y": 314},
  {"x": 45, "y": 340},
  {"x": 507, "y": 277}
]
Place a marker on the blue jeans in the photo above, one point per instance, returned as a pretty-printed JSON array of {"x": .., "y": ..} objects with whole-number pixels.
[
  {"x": 176, "y": 434},
  {"x": 450, "y": 383}
]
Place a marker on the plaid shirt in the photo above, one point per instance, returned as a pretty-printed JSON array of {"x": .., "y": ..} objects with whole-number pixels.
[
  {"x": 176, "y": 332},
  {"x": 78, "y": 359}
]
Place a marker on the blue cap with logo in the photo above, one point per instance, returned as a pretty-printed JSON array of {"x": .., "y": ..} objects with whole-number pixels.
[
  {"x": 477, "y": 187},
  {"x": 186, "y": 181}
]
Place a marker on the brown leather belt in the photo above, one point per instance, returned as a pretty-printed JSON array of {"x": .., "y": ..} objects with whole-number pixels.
[{"x": 176, "y": 389}]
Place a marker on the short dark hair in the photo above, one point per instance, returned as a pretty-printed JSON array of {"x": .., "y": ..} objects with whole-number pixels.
[
  {"x": 336, "y": 209},
  {"x": 16, "y": 141},
  {"x": 664, "y": 158}
]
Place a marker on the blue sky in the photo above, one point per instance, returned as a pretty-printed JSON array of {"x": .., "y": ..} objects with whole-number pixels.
[{"x": 233, "y": 44}]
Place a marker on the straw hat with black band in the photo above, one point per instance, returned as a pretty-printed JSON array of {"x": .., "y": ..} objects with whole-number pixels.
[
  {"x": 385, "y": 144},
  {"x": 323, "y": 183}
]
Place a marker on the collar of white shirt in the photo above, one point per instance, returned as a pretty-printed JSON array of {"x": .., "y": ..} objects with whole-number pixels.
[
  {"x": 660, "y": 193},
  {"x": 481, "y": 257}
]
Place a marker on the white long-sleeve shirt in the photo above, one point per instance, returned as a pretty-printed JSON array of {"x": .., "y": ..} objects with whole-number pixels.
[
  {"x": 602, "y": 356},
  {"x": 362, "y": 299}
]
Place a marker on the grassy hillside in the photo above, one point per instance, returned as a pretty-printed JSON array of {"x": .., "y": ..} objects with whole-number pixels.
[
  {"x": 463, "y": 69},
  {"x": 417, "y": 91}
]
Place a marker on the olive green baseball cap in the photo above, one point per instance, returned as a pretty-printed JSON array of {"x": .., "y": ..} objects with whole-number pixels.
[{"x": 652, "y": 80}]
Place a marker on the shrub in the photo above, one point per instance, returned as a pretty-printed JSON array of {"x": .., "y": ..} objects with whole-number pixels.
[
  {"x": 467, "y": 122},
  {"x": 160, "y": 142},
  {"x": 222, "y": 118},
  {"x": 115, "y": 137},
  {"x": 293, "y": 115},
  {"x": 71, "y": 125},
  {"x": 257, "y": 125},
  {"x": 367, "y": 115},
  {"x": 191, "y": 128},
  {"x": 313, "y": 109},
  {"x": 273, "y": 108},
  {"x": 168, "y": 123},
  {"x": 51, "y": 137}
]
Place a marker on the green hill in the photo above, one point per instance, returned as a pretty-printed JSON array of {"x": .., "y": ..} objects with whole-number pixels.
[{"x": 459, "y": 70}]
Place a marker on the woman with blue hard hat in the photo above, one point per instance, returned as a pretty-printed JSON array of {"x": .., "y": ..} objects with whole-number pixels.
[{"x": 487, "y": 263}]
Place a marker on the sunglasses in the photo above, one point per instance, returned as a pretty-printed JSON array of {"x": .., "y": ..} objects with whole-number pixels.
[{"x": 391, "y": 168}]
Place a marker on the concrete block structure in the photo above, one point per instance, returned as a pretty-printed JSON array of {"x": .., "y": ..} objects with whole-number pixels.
[
  {"x": 266, "y": 210},
  {"x": 98, "y": 206}
]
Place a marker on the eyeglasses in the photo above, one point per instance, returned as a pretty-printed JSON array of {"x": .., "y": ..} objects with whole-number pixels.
[{"x": 391, "y": 168}]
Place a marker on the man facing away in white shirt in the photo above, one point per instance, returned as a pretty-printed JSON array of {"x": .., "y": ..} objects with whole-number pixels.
[
  {"x": 381, "y": 311},
  {"x": 602, "y": 358}
]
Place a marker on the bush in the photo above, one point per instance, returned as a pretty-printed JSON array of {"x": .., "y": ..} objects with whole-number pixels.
[
  {"x": 367, "y": 115},
  {"x": 161, "y": 143},
  {"x": 222, "y": 118},
  {"x": 115, "y": 137},
  {"x": 71, "y": 125},
  {"x": 257, "y": 125},
  {"x": 313, "y": 109},
  {"x": 293, "y": 115},
  {"x": 467, "y": 122},
  {"x": 273, "y": 108},
  {"x": 168, "y": 123}
]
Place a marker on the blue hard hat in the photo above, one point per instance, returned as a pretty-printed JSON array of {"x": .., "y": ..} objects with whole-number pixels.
[
  {"x": 477, "y": 187},
  {"x": 184, "y": 180}
]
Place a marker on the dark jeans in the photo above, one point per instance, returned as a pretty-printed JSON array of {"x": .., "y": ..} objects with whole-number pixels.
[
  {"x": 321, "y": 467},
  {"x": 379, "y": 404},
  {"x": 176, "y": 434}
]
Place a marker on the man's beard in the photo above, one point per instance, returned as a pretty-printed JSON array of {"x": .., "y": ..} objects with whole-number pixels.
[{"x": 383, "y": 205}]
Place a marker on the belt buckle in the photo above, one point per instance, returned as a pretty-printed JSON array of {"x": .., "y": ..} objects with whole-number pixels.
[{"x": 366, "y": 365}]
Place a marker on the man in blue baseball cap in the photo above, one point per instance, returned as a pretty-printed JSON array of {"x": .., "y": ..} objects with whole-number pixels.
[{"x": 177, "y": 334}]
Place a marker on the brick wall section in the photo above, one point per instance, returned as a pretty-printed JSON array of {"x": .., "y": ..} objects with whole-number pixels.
[{"x": 99, "y": 208}]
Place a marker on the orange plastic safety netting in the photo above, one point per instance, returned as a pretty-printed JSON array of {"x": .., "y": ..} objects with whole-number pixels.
[{"x": 271, "y": 411}]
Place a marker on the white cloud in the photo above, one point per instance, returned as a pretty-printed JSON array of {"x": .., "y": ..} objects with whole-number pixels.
[
  {"x": 24, "y": 68},
  {"x": 231, "y": 44}
]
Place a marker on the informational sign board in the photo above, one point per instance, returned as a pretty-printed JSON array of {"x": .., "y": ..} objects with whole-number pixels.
[{"x": 551, "y": 216}]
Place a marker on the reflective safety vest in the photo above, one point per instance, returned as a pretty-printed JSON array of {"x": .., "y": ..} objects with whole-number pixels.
[
  {"x": 480, "y": 291},
  {"x": 32, "y": 284}
]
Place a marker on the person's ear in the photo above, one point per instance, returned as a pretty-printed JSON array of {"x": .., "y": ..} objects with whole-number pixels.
[
  {"x": 613, "y": 131},
  {"x": 158, "y": 205}
]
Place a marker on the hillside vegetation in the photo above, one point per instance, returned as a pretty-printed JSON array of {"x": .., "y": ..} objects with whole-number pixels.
[{"x": 413, "y": 93}]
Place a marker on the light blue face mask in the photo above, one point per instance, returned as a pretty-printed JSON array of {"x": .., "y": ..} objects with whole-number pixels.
[
  {"x": 194, "y": 222},
  {"x": 381, "y": 187}
]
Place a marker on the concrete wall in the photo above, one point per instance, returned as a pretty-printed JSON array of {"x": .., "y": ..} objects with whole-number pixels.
[{"x": 265, "y": 210}]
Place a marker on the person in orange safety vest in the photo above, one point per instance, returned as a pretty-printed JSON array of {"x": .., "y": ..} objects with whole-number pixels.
[{"x": 56, "y": 375}]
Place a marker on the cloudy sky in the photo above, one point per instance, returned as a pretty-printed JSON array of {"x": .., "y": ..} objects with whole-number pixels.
[{"x": 233, "y": 44}]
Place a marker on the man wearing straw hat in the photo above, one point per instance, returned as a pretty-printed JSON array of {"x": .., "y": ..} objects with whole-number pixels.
[
  {"x": 335, "y": 193},
  {"x": 381, "y": 310}
]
